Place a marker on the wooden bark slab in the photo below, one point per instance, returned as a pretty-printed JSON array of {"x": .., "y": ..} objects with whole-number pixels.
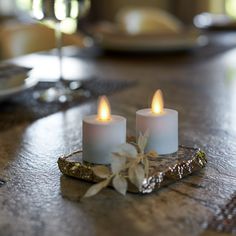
[{"x": 163, "y": 169}]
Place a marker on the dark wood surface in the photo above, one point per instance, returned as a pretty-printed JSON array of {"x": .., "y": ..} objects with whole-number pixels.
[{"x": 37, "y": 200}]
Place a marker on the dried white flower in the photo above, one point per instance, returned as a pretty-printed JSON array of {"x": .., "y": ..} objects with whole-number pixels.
[{"x": 125, "y": 159}]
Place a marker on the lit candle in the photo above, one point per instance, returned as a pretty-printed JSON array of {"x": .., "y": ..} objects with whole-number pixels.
[
  {"x": 102, "y": 133},
  {"x": 161, "y": 124}
]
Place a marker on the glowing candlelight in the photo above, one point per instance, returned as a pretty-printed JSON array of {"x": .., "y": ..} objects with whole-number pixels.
[
  {"x": 157, "y": 102},
  {"x": 161, "y": 124},
  {"x": 104, "y": 110},
  {"x": 102, "y": 133}
]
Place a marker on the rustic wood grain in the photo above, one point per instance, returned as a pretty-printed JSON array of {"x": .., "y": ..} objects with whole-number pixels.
[{"x": 38, "y": 200}]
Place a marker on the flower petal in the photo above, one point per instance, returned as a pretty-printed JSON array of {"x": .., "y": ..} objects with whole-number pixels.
[
  {"x": 101, "y": 171},
  {"x": 136, "y": 175},
  {"x": 146, "y": 166},
  {"x": 117, "y": 163},
  {"x": 142, "y": 141},
  {"x": 120, "y": 184},
  {"x": 126, "y": 149},
  {"x": 94, "y": 189}
]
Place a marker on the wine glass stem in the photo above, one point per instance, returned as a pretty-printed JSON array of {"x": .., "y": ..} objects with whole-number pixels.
[{"x": 58, "y": 36}]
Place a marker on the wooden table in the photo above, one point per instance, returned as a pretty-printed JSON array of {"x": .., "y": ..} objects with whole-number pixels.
[{"x": 37, "y": 200}]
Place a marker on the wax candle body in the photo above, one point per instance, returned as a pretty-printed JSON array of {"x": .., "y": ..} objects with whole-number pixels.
[
  {"x": 162, "y": 130},
  {"x": 100, "y": 138}
]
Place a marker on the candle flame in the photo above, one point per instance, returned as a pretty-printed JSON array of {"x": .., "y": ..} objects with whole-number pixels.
[
  {"x": 157, "y": 102},
  {"x": 104, "y": 110}
]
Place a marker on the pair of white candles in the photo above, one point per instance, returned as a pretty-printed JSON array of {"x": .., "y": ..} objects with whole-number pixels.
[{"x": 103, "y": 132}]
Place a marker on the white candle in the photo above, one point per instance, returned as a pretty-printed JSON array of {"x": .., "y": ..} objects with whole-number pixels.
[
  {"x": 161, "y": 125},
  {"x": 102, "y": 133}
]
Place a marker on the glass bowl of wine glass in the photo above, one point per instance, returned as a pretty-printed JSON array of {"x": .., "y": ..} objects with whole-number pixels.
[{"x": 56, "y": 12}]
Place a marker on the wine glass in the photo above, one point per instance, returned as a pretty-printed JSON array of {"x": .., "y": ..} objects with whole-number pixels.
[{"x": 56, "y": 11}]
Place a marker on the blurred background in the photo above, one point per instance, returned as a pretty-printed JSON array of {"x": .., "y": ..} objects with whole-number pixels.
[{"x": 21, "y": 35}]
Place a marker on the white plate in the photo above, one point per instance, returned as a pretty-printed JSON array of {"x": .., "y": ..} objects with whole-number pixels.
[
  {"x": 7, "y": 93},
  {"x": 151, "y": 43}
]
